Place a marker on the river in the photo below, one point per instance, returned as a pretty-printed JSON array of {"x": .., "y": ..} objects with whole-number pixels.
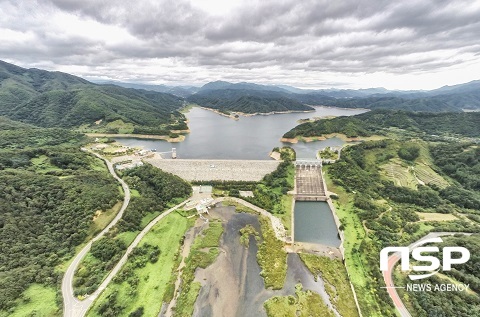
[{"x": 213, "y": 136}]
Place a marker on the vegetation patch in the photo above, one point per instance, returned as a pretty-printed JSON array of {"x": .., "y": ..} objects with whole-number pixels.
[
  {"x": 435, "y": 216},
  {"x": 144, "y": 278},
  {"x": 245, "y": 234},
  {"x": 95, "y": 266},
  {"x": 302, "y": 304},
  {"x": 336, "y": 280},
  {"x": 328, "y": 153},
  {"x": 204, "y": 251},
  {"x": 400, "y": 174},
  {"x": 286, "y": 153},
  {"x": 271, "y": 257},
  {"x": 37, "y": 300}
]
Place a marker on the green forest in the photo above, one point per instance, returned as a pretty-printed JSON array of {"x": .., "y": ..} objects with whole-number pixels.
[{"x": 50, "y": 191}]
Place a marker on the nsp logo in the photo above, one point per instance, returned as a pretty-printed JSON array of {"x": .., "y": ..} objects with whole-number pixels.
[{"x": 418, "y": 253}]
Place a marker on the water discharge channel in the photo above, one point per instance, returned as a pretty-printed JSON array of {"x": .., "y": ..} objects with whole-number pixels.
[{"x": 314, "y": 223}]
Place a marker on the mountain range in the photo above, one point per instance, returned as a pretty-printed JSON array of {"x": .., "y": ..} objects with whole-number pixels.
[
  {"x": 56, "y": 99},
  {"x": 251, "y": 98}
]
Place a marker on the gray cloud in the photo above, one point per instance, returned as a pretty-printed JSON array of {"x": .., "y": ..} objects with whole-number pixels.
[{"x": 165, "y": 40}]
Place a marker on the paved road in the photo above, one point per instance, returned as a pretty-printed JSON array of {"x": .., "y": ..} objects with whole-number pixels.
[
  {"x": 72, "y": 307},
  {"x": 394, "y": 258}
]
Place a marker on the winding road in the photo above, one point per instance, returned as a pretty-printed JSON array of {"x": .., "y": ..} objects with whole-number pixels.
[
  {"x": 73, "y": 307},
  {"x": 392, "y": 261}
]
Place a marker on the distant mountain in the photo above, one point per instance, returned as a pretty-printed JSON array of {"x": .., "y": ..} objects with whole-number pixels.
[
  {"x": 253, "y": 98},
  {"x": 180, "y": 91},
  {"x": 55, "y": 99},
  {"x": 247, "y": 101},
  {"x": 470, "y": 87}
]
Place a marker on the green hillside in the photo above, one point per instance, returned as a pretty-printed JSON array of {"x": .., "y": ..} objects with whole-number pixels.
[
  {"x": 374, "y": 122},
  {"x": 54, "y": 99}
]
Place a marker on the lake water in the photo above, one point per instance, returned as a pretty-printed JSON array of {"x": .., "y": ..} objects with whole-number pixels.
[
  {"x": 314, "y": 223},
  {"x": 214, "y": 136}
]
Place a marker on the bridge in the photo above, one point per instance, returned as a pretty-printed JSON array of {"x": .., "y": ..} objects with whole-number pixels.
[{"x": 309, "y": 182}]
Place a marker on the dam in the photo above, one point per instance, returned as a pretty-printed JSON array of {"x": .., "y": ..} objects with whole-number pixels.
[{"x": 211, "y": 170}]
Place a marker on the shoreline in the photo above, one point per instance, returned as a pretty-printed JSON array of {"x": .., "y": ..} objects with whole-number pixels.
[
  {"x": 324, "y": 137},
  {"x": 333, "y": 107},
  {"x": 180, "y": 138},
  {"x": 232, "y": 116}
]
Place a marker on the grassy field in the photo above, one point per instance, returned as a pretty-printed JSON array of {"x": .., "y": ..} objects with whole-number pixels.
[
  {"x": 336, "y": 280},
  {"x": 286, "y": 218},
  {"x": 435, "y": 216},
  {"x": 102, "y": 219},
  {"x": 303, "y": 304},
  {"x": 37, "y": 300},
  {"x": 400, "y": 173},
  {"x": 427, "y": 175},
  {"x": 354, "y": 234},
  {"x": 42, "y": 164},
  {"x": 144, "y": 286},
  {"x": 271, "y": 257}
]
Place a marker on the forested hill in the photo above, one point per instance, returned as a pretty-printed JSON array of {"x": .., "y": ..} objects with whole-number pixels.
[
  {"x": 365, "y": 124},
  {"x": 49, "y": 192},
  {"x": 55, "y": 99},
  {"x": 247, "y": 101}
]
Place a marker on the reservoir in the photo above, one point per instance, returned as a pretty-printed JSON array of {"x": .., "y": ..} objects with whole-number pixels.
[
  {"x": 213, "y": 136},
  {"x": 314, "y": 223}
]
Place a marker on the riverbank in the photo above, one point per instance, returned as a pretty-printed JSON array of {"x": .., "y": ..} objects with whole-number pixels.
[{"x": 180, "y": 138}]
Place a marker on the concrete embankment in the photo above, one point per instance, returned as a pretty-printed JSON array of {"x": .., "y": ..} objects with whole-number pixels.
[{"x": 207, "y": 170}]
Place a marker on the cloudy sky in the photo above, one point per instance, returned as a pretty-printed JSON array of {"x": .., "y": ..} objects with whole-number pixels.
[{"x": 407, "y": 44}]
